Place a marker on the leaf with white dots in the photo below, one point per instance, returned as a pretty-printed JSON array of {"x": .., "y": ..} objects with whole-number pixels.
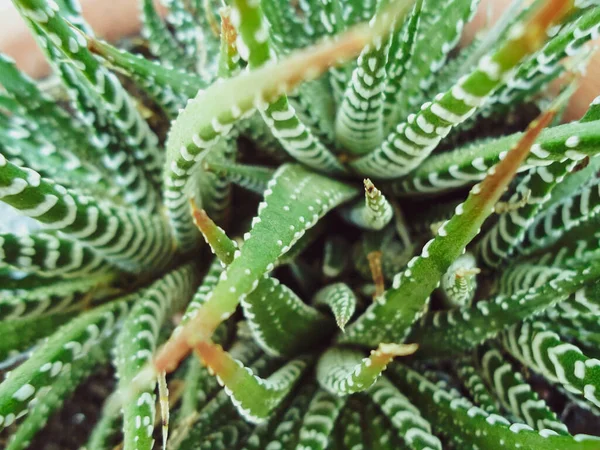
[
  {"x": 127, "y": 238},
  {"x": 55, "y": 356},
  {"x": 319, "y": 421},
  {"x": 400, "y": 60},
  {"x": 58, "y": 297},
  {"x": 517, "y": 214},
  {"x": 281, "y": 323},
  {"x": 515, "y": 394},
  {"x": 460, "y": 281},
  {"x": 254, "y": 397},
  {"x": 372, "y": 214},
  {"x": 542, "y": 350},
  {"x": 162, "y": 43},
  {"x": 253, "y": 178},
  {"x": 359, "y": 119},
  {"x": 343, "y": 371},
  {"x": 206, "y": 413},
  {"x": 168, "y": 86},
  {"x": 20, "y": 334},
  {"x": 444, "y": 334},
  {"x": 134, "y": 143},
  {"x": 578, "y": 318},
  {"x": 212, "y": 113},
  {"x": 391, "y": 315},
  {"x": 545, "y": 65},
  {"x": 294, "y": 201},
  {"x": 472, "y": 381},
  {"x": 434, "y": 30},
  {"x": 32, "y": 142},
  {"x": 46, "y": 404},
  {"x": 50, "y": 255},
  {"x": 340, "y": 299},
  {"x": 182, "y": 18},
  {"x": 43, "y": 114},
  {"x": 556, "y": 220},
  {"x": 415, "y": 138},
  {"x": 136, "y": 343},
  {"x": 469, "y": 164},
  {"x": 284, "y": 427},
  {"x": 414, "y": 430},
  {"x": 466, "y": 425},
  {"x": 529, "y": 197},
  {"x": 295, "y": 137}
]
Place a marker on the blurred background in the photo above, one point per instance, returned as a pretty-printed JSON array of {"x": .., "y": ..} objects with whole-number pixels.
[{"x": 114, "y": 19}]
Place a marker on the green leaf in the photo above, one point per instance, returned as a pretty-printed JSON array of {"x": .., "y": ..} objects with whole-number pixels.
[
  {"x": 414, "y": 430},
  {"x": 18, "y": 335},
  {"x": 464, "y": 424},
  {"x": 280, "y": 322},
  {"x": 578, "y": 317},
  {"x": 391, "y": 315},
  {"x": 288, "y": 32},
  {"x": 32, "y": 149},
  {"x": 542, "y": 350},
  {"x": 319, "y": 421},
  {"x": 294, "y": 136},
  {"x": 294, "y": 202},
  {"x": 530, "y": 195},
  {"x": 541, "y": 68},
  {"x": 138, "y": 150},
  {"x": 253, "y": 178},
  {"x": 254, "y": 397},
  {"x": 342, "y": 301},
  {"x": 475, "y": 386},
  {"x": 515, "y": 394},
  {"x": 50, "y": 255},
  {"x": 434, "y": 31},
  {"x": 558, "y": 219},
  {"x": 284, "y": 428},
  {"x": 414, "y": 139},
  {"x": 460, "y": 281},
  {"x": 211, "y": 115},
  {"x": 55, "y": 356},
  {"x": 45, "y": 405},
  {"x": 218, "y": 409},
  {"x": 375, "y": 213},
  {"x": 58, "y": 297},
  {"x": 51, "y": 120},
  {"x": 447, "y": 333},
  {"x": 359, "y": 119},
  {"x": 182, "y": 20},
  {"x": 136, "y": 343},
  {"x": 402, "y": 56},
  {"x": 343, "y": 371},
  {"x": 128, "y": 239},
  {"x": 162, "y": 43},
  {"x": 168, "y": 87}
]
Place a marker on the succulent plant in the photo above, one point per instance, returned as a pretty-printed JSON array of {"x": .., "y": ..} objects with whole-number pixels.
[{"x": 457, "y": 274}]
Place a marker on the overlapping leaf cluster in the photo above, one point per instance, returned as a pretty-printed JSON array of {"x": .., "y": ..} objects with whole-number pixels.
[{"x": 474, "y": 264}]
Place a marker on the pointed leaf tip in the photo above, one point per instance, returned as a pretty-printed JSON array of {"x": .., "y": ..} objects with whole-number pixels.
[
  {"x": 343, "y": 371},
  {"x": 220, "y": 244},
  {"x": 254, "y": 397},
  {"x": 387, "y": 349},
  {"x": 340, "y": 299}
]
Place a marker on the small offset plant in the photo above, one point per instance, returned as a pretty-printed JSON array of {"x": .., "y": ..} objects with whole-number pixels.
[{"x": 396, "y": 266}]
